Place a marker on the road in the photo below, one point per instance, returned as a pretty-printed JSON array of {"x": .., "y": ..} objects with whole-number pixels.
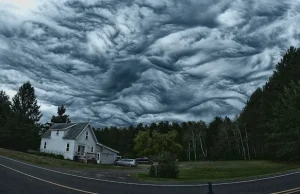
[{"x": 17, "y": 177}]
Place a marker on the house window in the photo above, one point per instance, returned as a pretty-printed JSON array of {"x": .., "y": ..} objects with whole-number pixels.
[
  {"x": 92, "y": 149},
  {"x": 68, "y": 147},
  {"x": 57, "y": 132},
  {"x": 45, "y": 145},
  {"x": 86, "y": 135}
]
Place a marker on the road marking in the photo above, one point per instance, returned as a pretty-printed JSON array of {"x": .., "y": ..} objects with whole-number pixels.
[
  {"x": 296, "y": 191},
  {"x": 289, "y": 191},
  {"x": 155, "y": 185},
  {"x": 71, "y": 188}
]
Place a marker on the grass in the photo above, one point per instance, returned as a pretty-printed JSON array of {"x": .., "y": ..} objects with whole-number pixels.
[
  {"x": 52, "y": 162},
  {"x": 223, "y": 170}
]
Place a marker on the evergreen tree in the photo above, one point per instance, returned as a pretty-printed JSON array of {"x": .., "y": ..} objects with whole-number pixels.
[
  {"x": 26, "y": 117},
  {"x": 5, "y": 119},
  {"x": 61, "y": 116}
]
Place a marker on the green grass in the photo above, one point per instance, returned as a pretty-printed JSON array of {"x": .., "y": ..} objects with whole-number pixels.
[
  {"x": 52, "y": 162},
  {"x": 223, "y": 170}
]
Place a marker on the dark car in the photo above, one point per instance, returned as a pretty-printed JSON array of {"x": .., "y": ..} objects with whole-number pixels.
[{"x": 143, "y": 160}]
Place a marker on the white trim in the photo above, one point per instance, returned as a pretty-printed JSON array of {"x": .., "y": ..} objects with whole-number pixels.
[
  {"x": 81, "y": 132},
  {"x": 95, "y": 138},
  {"x": 155, "y": 185},
  {"x": 62, "y": 128}
]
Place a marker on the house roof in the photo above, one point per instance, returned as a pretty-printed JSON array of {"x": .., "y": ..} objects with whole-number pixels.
[
  {"x": 74, "y": 129},
  {"x": 61, "y": 126},
  {"x": 108, "y": 148}
]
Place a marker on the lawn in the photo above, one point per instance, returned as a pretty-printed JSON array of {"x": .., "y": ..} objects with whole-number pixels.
[
  {"x": 47, "y": 161},
  {"x": 224, "y": 170}
]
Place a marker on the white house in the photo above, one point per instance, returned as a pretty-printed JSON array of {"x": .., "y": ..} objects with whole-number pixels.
[{"x": 76, "y": 139}]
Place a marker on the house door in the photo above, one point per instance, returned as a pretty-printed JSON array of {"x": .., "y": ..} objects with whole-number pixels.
[
  {"x": 98, "y": 158},
  {"x": 81, "y": 149}
]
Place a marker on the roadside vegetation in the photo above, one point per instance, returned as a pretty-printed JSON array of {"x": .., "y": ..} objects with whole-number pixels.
[{"x": 223, "y": 170}]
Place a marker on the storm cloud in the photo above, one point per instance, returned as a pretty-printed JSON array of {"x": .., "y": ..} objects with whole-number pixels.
[{"x": 118, "y": 63}]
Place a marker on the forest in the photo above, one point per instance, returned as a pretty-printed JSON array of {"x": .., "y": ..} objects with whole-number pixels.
[{"x": 268, "y": 127}]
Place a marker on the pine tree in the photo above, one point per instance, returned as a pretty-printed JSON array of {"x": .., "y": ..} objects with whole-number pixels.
[
  {"x": 5, "y": 119},
  {"x": 61, "y": 116},
  {"x": 26, "y": 117}
]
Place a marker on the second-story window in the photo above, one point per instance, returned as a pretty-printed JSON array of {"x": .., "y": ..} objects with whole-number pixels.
[
  {"x": 92, "y": 149},
  {"x": 86, "y": 135},
  {"x": 45, "y": 145},
  {"x": 68, "y": 147},
  {"x": 57, "y": 132}
]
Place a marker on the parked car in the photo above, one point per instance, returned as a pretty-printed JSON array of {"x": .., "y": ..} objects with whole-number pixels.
[
  {"x": 143, "y": 160},
  {"x": 118, "y": 158},
  {"x": 126, "y": 162}
]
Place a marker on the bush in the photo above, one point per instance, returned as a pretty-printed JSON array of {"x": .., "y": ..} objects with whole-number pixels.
[{"x": 167, "y": 166}]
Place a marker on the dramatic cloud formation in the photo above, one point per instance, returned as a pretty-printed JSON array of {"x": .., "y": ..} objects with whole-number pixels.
[{"x": 122, "y": 62}]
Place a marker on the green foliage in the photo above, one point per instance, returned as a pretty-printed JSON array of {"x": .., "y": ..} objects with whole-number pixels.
[
  {"x": 147, "y": 146},
  {"x": 285, "y": 136},
  {"x": 270, "y": 116},
  {"x": 25, "y": 106},
  {"x": 167, "y": 166},
  {"x": 61, "y": 116},
  {"x": 26, "y": 114}
]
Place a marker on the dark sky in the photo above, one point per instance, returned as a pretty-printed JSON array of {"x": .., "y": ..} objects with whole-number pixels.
[{"x": 121, "y": 62}]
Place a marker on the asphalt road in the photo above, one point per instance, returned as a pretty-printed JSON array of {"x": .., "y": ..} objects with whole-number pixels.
[{"x": 16, "y": 177}]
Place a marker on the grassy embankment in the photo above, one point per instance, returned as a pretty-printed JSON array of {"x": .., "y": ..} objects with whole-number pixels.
[
  {"x": 224, "y": 170},
  {"x": 52, "y": 162}
]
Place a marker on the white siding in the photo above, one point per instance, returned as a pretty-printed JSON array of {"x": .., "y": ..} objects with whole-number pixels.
[
  {"x": 88, "y": 143},
  {"x": 107, "y": 156},
  {"x": 58, "y": 145}
]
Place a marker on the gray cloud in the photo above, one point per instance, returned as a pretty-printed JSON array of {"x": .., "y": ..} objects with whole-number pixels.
[{"x": 123, "y": 62}]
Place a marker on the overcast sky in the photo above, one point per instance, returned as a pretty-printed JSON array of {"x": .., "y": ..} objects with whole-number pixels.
[{"x": 121, "y": 62}]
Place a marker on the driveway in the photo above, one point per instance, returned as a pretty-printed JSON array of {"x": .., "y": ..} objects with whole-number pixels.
[{"x": 19, "y": 177}]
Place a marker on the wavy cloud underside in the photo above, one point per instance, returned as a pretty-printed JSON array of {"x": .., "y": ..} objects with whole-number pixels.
[{"x": 122, "y": 62}]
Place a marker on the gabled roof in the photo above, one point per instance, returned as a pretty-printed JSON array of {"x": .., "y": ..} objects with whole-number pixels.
[
  {"x": 61, "y": 126},
  {"x": 108, "y": 148},
  {"x": 73, "y": 129}
]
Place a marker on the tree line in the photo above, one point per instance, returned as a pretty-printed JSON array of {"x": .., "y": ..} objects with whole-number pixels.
[{"x": 268, "y": 127}]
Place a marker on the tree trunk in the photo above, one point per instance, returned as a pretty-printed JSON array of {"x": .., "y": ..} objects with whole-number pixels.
[
  {"x": 244, "y": 152},
  {"x": 194, "y": 145},
  {"x": 247, "y": 141},
  {"x": 227, "y": 140},
  {"x": 201, "y": 145},
  {"x": 189, "y": 151}
]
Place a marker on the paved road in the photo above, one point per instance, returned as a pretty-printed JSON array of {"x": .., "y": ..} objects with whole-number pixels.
[{"x": 16, "y": 177}]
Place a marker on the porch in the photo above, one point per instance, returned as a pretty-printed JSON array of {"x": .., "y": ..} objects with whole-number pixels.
[{"x": 86, "y": 157}]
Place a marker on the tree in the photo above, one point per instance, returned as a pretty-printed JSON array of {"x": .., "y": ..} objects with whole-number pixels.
[
  {"x": 5, "y": 118},
  {"x": 26, "y": 117},
  {"x": 284, "y": 139},
  {"x": 147, "y": 146},
  {"x": 61, "y": 116}
]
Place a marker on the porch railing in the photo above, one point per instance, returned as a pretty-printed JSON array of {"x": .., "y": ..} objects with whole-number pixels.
[{"x": 86, "y": 156}]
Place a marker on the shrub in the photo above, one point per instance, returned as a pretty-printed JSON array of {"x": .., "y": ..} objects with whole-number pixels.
[{"x": 167, "y": 166}]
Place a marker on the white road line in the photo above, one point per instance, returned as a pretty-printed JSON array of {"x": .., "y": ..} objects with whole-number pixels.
[
  {"x": 288, "y": 191},
  {"x": 71, "y": 188},
  {"x": 157, "y": 185}
]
